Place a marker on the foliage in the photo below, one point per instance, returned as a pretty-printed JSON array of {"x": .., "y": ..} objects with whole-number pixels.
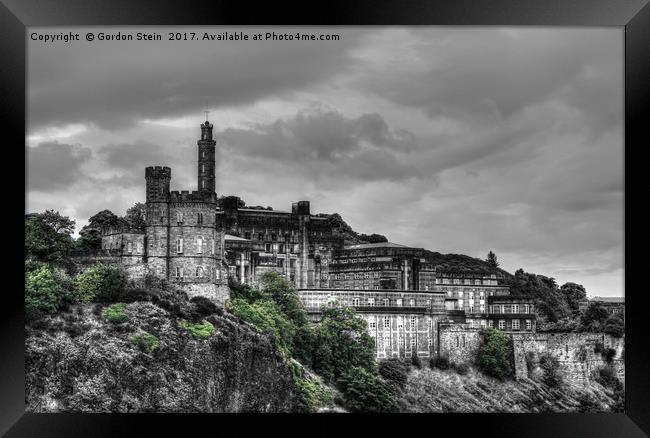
[
  {"x": 115, "y": 313},
  {"x": 394, "y": 371},
  {"x": 203, "y": 306},
  {"x": 199, "y": 331},
  {"x": 341, "y": 341},
  {"x": 492, "y": 260},
  {"x": 615, "y": 326},
  {"x": 608, "y": 354},
  {"x": 372, "y": 238},
  {"x": 44, "y": 243},
  {"x": 594, "y": 318},
  {"x": 284, "y": 295},
  {"x": 367, "y": 392},
  {"x": 563, "y": 325},
  {"x": 441, "y": 363},
  {"x": 574, "y": 293},
  {"x": 551, "y": 302},
  {"x": 100, "y": 282},
  {"x": 495, "y": 353},
  {"x": 60, "y": 224},
  {"x": 461, "y": 368},
  {"x": 135, "y": 216},
  {"x": 267, "y": 318},
  {"x": 550, "y": 368},
  {"x": 42, "y": 290},
  {"x": 313, "y": 393},
  {"x": 607, "y": 377},
  {"x": 145, "y": 341},
  {"x": 246, "y": 292}
]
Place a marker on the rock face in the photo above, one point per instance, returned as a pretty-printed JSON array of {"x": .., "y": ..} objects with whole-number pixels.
[{"x": 79, "y": 362}]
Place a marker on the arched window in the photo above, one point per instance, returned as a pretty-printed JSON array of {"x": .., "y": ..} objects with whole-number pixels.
[
  {"x": 199, "y": 245},
  {"x": 199, "y": 271}
]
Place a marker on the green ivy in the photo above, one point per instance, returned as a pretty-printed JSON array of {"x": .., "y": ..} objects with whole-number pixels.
[
  {"x": 145, "y": 341},
  {"x": 115, "y": 313},
  {"x": 199, "y": 331}
]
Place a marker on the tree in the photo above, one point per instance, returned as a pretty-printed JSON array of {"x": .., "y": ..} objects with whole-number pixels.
[
  {"x": 367, "y": 392},
  {"x": 615, "y": 326},
  {"x": 551, "y": 303},
  {"x": 593, "y": 320},
  {"x": 104, "y": 218},
  {"x": 43, "y": 243},
  {"x": 341, "y": 341},
  {"x": 574, "y": 293},
  {"x": 394, "y": 371},
  {"x": 495, "y": 353},
  {"x": 284, "y": 295},
  {"x": 60, "y": 224},
  {"x": 135, "y": 216},
  {"x": 99, "y": 283},
  {"x": 492, "y": 260},
  {"x": 42, "y": 291}
]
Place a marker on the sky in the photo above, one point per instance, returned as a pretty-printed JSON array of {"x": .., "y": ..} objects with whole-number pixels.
[{"x": 456, "y": 139}]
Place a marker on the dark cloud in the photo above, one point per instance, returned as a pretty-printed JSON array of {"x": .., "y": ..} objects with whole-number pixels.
[
  {"x": 52, "y": 166},
  {"x": 118, "y": 83}
]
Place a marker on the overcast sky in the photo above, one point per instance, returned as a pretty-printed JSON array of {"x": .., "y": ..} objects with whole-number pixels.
[{"x": 458, "y": 140}]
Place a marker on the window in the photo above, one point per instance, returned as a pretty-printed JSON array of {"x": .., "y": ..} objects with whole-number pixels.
[
  {"x": 399, "y": 302},
  {"x": 502, "y": 324},
  {"x": 412, "y": 302},
  {"x": 179, "y": 245},
  {"x": 457, "y": 341},
  {"x": 199, "y": 271},
  {"x": 371, "y": 302},
  {"x": 529, "y": 324},
  {"x": 490, "y": 323},
  {"x": 386, "y": 322},
  {"x": 515, "y": 308},
  {"x": 179, "y": 272},
  {"x": 162, "y": 219},
  {"x": 199, "y": 245},
  {"x": 515, "y": 324},
  {"x": 217, "y": 274},
  {"x": 372, "y": 324},
  {"x": 129, "y": 247},
  {"x": 413, "y": 322},
  {"x": 463, "y": 340},
  {"x": 199, "y": 218},
  {"x": 355, "y": 302},
  {"x": 386, "y": 302},
  {"x": 202, "y": 168},
  {"x": 526, "y": 308},
  {"x": 179, "y": 217}
]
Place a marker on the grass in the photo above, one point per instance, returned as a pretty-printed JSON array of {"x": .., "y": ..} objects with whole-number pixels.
[
  {"x": 115, "y": 313},
  {"x": 145, "y": 341},
  {"x": 199, "y": 331}
]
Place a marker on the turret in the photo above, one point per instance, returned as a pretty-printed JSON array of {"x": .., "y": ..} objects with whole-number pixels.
[
  {"x": 157, "y": 182},
  {"x": 206, "y": 161}
]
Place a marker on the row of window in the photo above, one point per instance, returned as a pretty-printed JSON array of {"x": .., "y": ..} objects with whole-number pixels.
[
  {"x": 515, "y": 324},
  {"x": 201, "y": 244},
  {"x": 510, "y": 308},
  {"x": 469, "y": 282},
  {"x": 199, "y": 272}
]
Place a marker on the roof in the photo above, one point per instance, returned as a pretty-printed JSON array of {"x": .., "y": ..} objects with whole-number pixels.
[
  {"x": 231, "y": 237},
  {"x": 609, "y": 299},
  {"x": 376, "y": 245}
]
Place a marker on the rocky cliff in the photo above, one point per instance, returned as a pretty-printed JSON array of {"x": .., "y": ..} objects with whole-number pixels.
[{"x": 79, "y": 361}]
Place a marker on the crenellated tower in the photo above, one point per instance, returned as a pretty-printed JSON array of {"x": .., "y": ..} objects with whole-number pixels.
[{"x": 206, "y": 161}]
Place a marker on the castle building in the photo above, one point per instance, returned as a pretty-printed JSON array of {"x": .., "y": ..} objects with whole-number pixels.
[{"x": 199, "y": 242}]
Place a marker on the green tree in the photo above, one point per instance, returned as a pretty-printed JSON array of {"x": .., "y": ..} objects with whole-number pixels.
[
  {"x": 495, "y": 353},
  {"x": 284, "y": 295},
  {"x": 492, "y": 259},
  {"x": 44, "y": 243},
  {"x": 367, "y": 392},
  {"x": 42, "y": 291},
  {"x": 341, "y": 341},
  {"x": 60, "y": 224},
  {"x": 101, "y": 283},
  {"x": 615, "y": 326}
]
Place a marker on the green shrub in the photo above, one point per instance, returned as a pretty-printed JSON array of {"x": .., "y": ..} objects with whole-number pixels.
[
  {"x": 495, "y": 353},
  {"x": 145, "y": 341},
  {"x": 199, "y": 331},
  {"x": 394, "y": 371},
  {"x": 115, "y": 313},
  {"x": 367, "y": 392},
  {"x": 550, "y": 366},
  {"x": 42, "y": 291},
  {"x": 101, "y": 283}
]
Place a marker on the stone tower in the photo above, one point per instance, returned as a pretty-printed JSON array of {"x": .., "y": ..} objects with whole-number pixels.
[
  {"x": 206, "y": 161},
  {"x": 157, "y": 219}
]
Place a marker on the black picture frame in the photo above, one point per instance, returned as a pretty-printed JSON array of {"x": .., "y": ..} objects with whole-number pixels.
[{"x": 16, "y": 15}]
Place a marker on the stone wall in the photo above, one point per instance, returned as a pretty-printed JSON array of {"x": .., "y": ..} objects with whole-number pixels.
[
  {"x": 217, "y": 293},
  {"x": 458, "y": 342},
  {"x": 577, "y": 353}
]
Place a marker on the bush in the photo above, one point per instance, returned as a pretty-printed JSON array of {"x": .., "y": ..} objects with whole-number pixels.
[
  {"x": 199, "y": 331},
  {"x": 42, "y": 291},
  {"x": 608, "y": 355},
  {"x": 145, "y": 342},
  {"x": 550, "y": 366},
  {"x": 442, "y": 363},
  {"x": 203, "y": 306},
  {"x": 495, "y": 353},
  {"x": 593, "y": 320},
  {"x": 415, "y": 361},
  {"x": 313, "y": 394},
  {"x": 366, "y": 392},
  {"x": 607, "y": 377},
  {"x": 394, "y": 371},
  {"x": 115, "y": 313},
  {"x": 461, "y": 368},
  {"x": 102, "y": 283}
]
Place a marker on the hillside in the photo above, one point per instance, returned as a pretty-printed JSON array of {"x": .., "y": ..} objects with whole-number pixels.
[
  {"x": 78, "y": 361},
  {"x": 435, "y": 390}
]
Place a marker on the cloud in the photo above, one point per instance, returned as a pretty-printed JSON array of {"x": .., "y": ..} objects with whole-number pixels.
[{"x": 53, "y": 166}]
